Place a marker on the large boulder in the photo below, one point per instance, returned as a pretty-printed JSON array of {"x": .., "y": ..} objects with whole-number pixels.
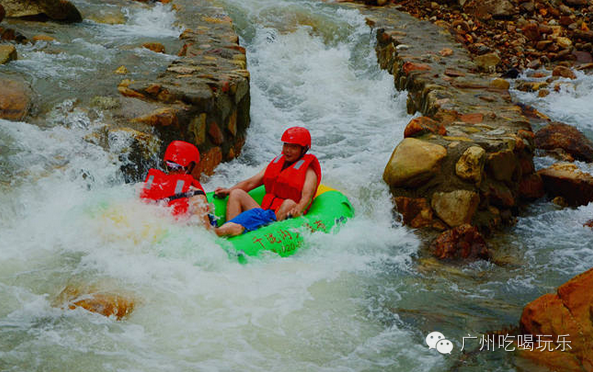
[
  {"x": 58, "y": 10},
  {"x": 567, "y": 138},
  {"x": 413, "y": 162},
  {"x": 565, "y": 317},
  {"x": 456, "y": 207},
  {"x": 567, "y": 181},
  {"x": 462, "y": 242},
  {"x": 15, "y": 100}
]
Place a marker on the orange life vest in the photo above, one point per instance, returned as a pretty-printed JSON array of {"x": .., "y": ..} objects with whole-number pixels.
[
  {"x": 282, "y": 184},
  {"x": 172, "y": 188}
]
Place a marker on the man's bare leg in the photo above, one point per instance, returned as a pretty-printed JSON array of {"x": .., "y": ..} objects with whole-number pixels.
[
  {"x": 239, "y": 201},
  {"x": 285, "y": 207},
  {"x": 229, "y": 229}
]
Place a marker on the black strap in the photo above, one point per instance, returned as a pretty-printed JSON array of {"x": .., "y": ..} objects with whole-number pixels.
[{"x": 181, "y": 195}]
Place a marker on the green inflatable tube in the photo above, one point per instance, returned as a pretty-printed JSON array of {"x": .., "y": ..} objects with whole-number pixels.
[{"x": 329, "y": 210}]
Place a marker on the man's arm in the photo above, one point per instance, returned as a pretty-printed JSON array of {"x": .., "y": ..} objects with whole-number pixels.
[
  {"x": 246, "y": 185},
  {"x": 307, "y": 194}
]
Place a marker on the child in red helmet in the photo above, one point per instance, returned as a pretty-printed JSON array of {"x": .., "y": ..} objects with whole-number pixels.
[
  {"x": 178, "y": 187},
  {"x": 291, "y": 181}
]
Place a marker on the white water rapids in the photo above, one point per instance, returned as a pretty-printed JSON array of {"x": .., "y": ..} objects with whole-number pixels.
[{"x": 359, "y": 300}]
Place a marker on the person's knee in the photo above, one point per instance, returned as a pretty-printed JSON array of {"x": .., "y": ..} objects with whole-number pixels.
[{"x": 237, "y": 195}]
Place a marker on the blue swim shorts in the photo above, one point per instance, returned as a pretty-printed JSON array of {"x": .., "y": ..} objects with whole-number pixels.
[{"x": 254, "y": 218}]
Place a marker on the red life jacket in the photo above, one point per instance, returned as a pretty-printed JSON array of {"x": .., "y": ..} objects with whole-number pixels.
[
  {"x": 172, "y": 188},
  {"x": 282, "y": 184}
]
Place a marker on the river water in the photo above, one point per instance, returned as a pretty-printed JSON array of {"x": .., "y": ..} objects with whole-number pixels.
[{"x": 363, "y": 299}]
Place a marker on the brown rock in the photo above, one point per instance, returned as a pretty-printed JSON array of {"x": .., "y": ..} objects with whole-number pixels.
[
  {"x": 7, "y": 53},
  {"x": 489, "y": 8},
  {"x": 531, "y": 31},
  {"x": 15, "y": 100},
  {"x": 567, "y": 181},
  {"x": 456, "y": 207},
  {"x": 462, "y": 242},
  {"x": 499, "y": 83},
  {"x": 582, "y": 57},
  {"x": 59, "y": 10},
  {"x": 470, "y": 165},
  {"x": 531, "y": 187},
  {"x": 502, "y": 165},
  {"x": 413, "y": 162},
  {"x": 215, "y": 134},
  {"x": 563, "y": 72},
  {"x": 415, "y": 212},
  {"x": 474, "y": 118},
  {"x": 584, "y": 35},
  {"x": 409, "y": 67},
  {"x": 2, "y": 12},
  {"x": 43, "y": 38},
  {"x": 422, "y": 125},
  {"x": 104, "y": 303},
  {"x": 566, "y": 313},
  {"x": 162, "y": 117},
  {"x": 588, "y": 224},
  {"x": 155, "y": 47},
  {"x": 453, "y": 73},
  {"x": 487, "y": 62},
  {"x": 445, "y": 52},
  {"x": 210, "y": 160},
  {"x": 566, "y": 137}
]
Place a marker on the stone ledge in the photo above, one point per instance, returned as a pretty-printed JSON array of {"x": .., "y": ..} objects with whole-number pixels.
[
  {"x": 202, "y": 97},
  {"x": 476, "y": 111}
]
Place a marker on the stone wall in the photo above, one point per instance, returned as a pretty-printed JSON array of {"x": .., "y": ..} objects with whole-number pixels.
[
  {"x": 203, "y": 97},
  {"x": 469, "y": 159}
]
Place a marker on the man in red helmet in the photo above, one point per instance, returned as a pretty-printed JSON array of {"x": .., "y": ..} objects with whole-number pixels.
[
  {"x": 291, "y": 180},
  {"x": 178, "y": 187}
]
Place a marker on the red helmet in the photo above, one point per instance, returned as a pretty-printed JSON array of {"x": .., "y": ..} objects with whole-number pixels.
[
  {"x": 297, "y": 136},
  {"x": 182, "y": 153}
]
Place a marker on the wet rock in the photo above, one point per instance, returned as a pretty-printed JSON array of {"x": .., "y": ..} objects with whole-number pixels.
[
  {"x": 487, "y": 62},
  {"x": 416, "y": 212},
  {"x": 563, "y": 71},
  {"x": 409, "y": 67},
  {"x": 479, "y": 48},
  {"x": 583, "y": 57},
  {"x": 567, "y": 181},
  {"x": 7, "y": 53},
  {"x": 470, "y": 165},
  {"x": 45, "y": 38},
  {"x": 503, "y": 166},
  {"x": 121, "y": 70},
  {"x": 209, "y": 160},
  {"x": 58, "y": 10},
  {"x": 104, "y": 303},
  {"x": 462, "y": 242},
  {"x": 155, "y": 47},
  {"x": 588, "y": 224},
  {"x": 531, "y": 86},
  {"x": 563, "y": 42},
  {"x": 413, "y": 162},
  {"x": 565, "y": 313},
  {"x": 531, "y": 31},
  {"x": 531, "y": 187},
  {"x": 500, "y": 84},
  {"x": 2, "y": 12},
  {"x": 455, "y": 207},
  {"x": 567, "y": 138},
  {"x": 423, "y": 125},
  {"x": 489, "y": 8},
  {"x": 162, "y": 117},
  {"x": 15, "y": 100}
]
